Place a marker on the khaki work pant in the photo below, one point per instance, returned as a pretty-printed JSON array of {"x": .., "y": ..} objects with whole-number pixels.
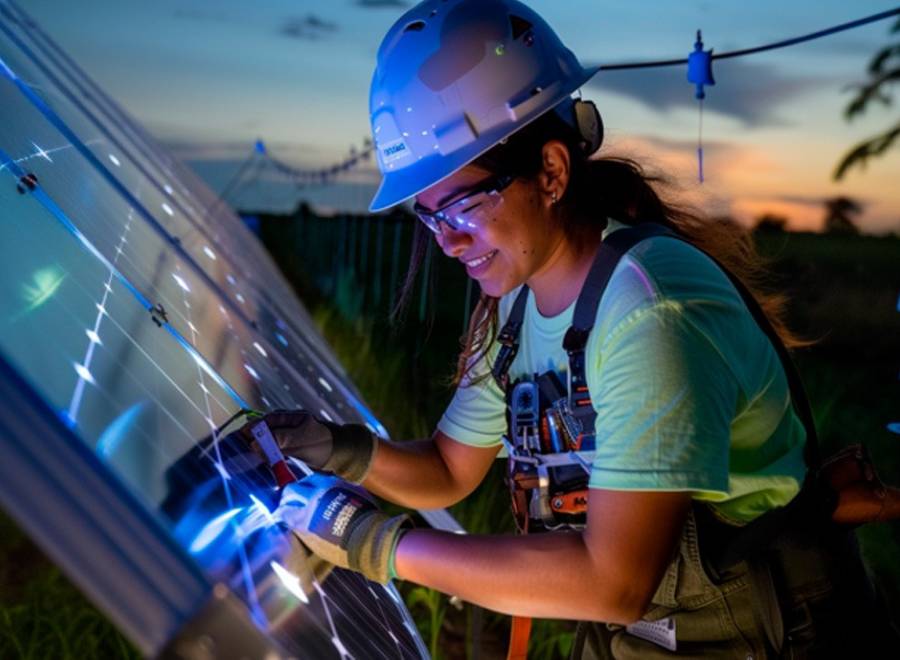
[{"x": 807, "y": 596}]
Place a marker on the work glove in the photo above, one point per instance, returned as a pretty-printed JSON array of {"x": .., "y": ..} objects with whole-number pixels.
[
  {"x": 346, "y": 450},
  {"x": 341, "y": 524}
]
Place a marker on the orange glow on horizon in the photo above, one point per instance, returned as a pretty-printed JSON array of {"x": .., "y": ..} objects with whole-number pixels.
[{"x": 746, "y": 182}]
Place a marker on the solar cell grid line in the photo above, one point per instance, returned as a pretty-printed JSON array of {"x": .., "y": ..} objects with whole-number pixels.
[
  {"x": 165, "y": 288},
  {"x": 193, "y": 237},
  {"x": 104, "y": 118},
  {"x": 122, "y": 121},
  {"x": 84, "y": 373},
  {"x": 58, "y": 96},
  {"x": 356, "y": 586},
  {"x": 111, "y": 277},
  {"x": 180, "y": 282},
  {"x": 85, "y": 242},
  {"x": 36, "y": 101},
  {"x": 93, "y": 335},
  {"x": 240, "y": 295},
  {"x": 61, "y": 400},
  {"x": 68, "y": 72},
  {"x": 350, "y": 591},
  {"x": 99, "y": 94}
]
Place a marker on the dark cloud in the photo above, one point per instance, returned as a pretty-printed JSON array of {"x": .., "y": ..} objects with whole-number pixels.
[
  {"x": 308, "y": 27},
  {"x": 746, "y": 91},
  {"x": 379, "y": 4},
  {"x": 806, "y": 200},
  {"x": 668, "y": 144}
]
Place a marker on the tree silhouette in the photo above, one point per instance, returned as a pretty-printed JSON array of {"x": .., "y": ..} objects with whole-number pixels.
[
  {"x": 770, "y": 223},
  {"x": 883, "y": 72},
  {"x": 839, "y": 212}
]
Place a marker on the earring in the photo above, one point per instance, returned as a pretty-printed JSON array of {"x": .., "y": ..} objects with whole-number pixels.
[{"x": 554, "y": 198}]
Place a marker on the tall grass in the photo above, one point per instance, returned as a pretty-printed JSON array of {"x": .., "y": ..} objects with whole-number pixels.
[{"x": 42, "y": 615}]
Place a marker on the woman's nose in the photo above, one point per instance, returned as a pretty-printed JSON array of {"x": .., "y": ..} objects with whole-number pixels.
[{"x": 453, "y": 242}]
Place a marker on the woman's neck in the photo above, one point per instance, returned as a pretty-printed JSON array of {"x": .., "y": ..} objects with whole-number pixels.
[{"x": 557, "y": 284}]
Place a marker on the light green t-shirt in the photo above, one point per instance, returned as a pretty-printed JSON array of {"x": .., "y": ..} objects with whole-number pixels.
[{"x": 689, "y": 393}]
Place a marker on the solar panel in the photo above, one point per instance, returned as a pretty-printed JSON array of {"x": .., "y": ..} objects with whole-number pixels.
[{"x": 142, "y": 313}]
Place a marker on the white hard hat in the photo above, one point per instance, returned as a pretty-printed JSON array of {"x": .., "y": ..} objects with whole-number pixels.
[{"x": 454, "y": 78}]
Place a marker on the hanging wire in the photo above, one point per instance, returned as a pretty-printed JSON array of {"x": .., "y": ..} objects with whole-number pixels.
[
  {"x": 758, "y": 49},
  {"x": 250, "y": 162},
  {"x": 700, "y": 143}
]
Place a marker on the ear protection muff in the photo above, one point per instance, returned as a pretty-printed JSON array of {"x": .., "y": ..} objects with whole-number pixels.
[{"x": 589, "y": 125}]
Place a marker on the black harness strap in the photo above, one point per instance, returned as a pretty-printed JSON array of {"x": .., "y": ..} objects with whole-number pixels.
[
  {"x": 812, "y": 501},
  {"x": 608, "y": 256},
  {"x": 509, "y": 340}
]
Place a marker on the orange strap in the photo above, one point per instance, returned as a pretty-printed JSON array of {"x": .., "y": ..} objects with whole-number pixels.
[{"x": 519, "y": 632}]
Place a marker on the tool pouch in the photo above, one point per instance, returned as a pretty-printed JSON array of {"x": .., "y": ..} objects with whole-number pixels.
[{"x": 860, "y": 495}]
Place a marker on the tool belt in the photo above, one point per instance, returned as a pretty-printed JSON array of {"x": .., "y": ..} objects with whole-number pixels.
[{"x": 550, "y": 455}]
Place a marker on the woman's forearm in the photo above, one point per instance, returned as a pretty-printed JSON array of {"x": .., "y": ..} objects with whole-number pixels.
[
  {"x": 412, "y": 474},
  {"x": 427, "y": 474},
  {"x": 550, "y": 575}
]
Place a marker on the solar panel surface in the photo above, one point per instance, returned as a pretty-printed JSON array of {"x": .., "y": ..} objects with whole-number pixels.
[{"x": 145, "y": 313}]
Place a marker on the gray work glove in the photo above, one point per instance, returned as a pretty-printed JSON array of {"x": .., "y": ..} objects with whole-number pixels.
[
  {"x": 346, "y": 450},
  {"x": 339, "y": 523}
]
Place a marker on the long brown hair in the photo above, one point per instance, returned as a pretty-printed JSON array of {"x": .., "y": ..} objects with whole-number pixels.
[{"x": 600, "y": 188}]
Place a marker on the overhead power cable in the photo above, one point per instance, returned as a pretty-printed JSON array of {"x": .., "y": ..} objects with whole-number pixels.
[{"x": 758, "y": 49}]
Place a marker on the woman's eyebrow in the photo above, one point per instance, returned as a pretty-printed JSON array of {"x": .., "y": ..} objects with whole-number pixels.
[{"x": 442, "y": 202}]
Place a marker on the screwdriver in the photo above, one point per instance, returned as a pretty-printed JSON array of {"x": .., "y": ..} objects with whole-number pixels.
[{"x": 264, "y": 438}]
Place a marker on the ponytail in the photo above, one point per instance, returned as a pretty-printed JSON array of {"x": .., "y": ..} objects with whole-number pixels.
[{"x": 619, "y": 188}]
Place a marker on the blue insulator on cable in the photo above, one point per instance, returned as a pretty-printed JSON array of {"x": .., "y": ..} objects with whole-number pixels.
[
  {"x": 700, "y": 67},
  {"x": 700, "y": 74}
]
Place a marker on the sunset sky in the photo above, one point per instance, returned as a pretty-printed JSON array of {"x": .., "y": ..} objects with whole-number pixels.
[{"x": 208, "y": 78}]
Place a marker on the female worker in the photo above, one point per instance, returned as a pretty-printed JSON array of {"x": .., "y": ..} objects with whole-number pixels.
[{"x": 664, "y": 424}]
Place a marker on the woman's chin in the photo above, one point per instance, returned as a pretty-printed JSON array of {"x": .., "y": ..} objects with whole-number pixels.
[{"x": 495, "y": 288}]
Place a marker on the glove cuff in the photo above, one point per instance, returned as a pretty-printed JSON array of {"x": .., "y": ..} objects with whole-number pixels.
[
  {"x": 352, "y": 451},
  {"x": 372, "y": 544}
]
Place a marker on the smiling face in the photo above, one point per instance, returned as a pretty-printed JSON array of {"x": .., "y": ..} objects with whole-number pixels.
[{"x": 508, "y": 245}]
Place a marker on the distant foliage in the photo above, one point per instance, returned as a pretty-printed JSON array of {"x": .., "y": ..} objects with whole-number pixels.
[
  {"x": 839, "y": 214},
  {"x": 883, "y": 74},
  {"x": 770, "y": 223}
]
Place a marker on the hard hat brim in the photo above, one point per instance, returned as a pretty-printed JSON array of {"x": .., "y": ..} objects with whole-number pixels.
[{"x": 401, "y": 185}]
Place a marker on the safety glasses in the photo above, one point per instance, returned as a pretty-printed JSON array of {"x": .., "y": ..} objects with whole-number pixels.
[{"x": 468, "y": 212}]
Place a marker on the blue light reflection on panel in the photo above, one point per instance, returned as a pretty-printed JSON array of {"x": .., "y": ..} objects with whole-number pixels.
[
  {"x": 139, "y": 320},
  {"x": 313, "y": 351},
  {"x": 270, "y": 290}
]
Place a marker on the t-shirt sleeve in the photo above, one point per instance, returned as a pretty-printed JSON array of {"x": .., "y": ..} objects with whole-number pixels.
[
  {"x": 665, "y": 399},
  {"x": 477, "y": 413}
]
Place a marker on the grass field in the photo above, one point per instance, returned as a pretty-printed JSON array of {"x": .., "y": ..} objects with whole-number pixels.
[{"x": 844, "y": 293}]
